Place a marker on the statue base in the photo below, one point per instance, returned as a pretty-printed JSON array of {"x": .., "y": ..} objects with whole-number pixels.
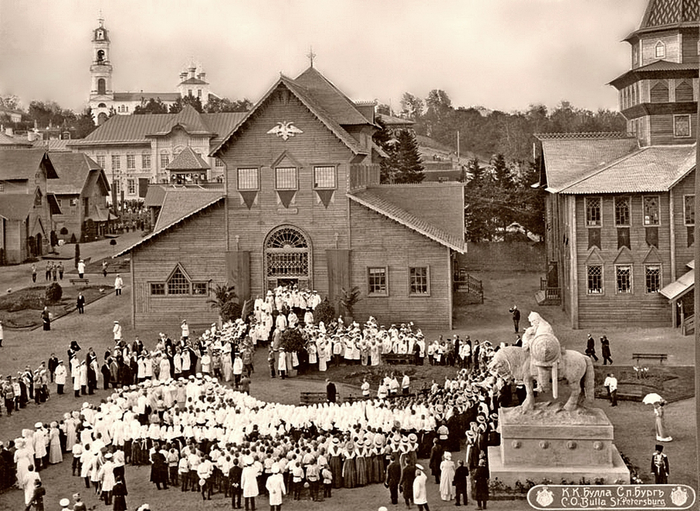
[{"x": 552, "y": 443}]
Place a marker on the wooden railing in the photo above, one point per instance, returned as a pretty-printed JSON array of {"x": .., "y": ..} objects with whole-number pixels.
[
  {"x": 465, "y": 283},
  {"x": 552, "y": 293},
  {"x": 688, "y": 326}
]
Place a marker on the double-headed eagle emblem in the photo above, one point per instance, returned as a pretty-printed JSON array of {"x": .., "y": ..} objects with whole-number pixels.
[{"x": 285, "y": 129}]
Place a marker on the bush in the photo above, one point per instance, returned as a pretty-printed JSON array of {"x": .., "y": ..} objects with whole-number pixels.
[
  {"x": 54, "y": 293},
  {"x": 325, "y": 312},
  {"x": 63, "y": 231},
  {"x": 292, "y": 340},
  {"x": 231, "y": 311},
  {"x": 73, "y": 238},
  {"x": 77, "y": 250}
]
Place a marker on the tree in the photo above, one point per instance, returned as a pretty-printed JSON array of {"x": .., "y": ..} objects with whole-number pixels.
[
  {"x": 218, "y": 105},
  {"x": 410, "y": 167},
  {"x": 349, "y": 299},
  {"x": 383, "y": 109},
  {"x": 77, "y": 254},
  {"x": 223, "y": 294},
  {"x": 9, "y": 101},
  {"x": 84, "y": 124},
  {"x": 186, "y": 100},
  {"x": 411, "y": 106},
  {"x": 152, "y": 106}
]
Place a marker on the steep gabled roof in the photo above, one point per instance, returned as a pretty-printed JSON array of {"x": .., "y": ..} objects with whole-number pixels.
[
  {"x": 567, "y": 157},
  {"x": 422, "y": 208},
  {"x": 154, "y": 196},
  {"x": 179, "y": 205},
  {"x": 661, "y": 13},
  {"x": 316, "y": 102},
  {"x": 20, "y": 164},
  {"x": 73, "y": 170},
  {"x": 650, "y": 169},
  {"x": 188, "y": 160}
]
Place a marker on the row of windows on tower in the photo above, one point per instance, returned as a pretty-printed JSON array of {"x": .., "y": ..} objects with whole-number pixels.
[
  {"x": 624, "y": 279},
  {"x": 132, "y": 160},
  {"x": 287, "y": 178},
  {"x": 660, "y": 92}
]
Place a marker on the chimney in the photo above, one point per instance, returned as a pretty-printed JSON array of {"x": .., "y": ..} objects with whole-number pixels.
[{"x": 202, "y": 76}]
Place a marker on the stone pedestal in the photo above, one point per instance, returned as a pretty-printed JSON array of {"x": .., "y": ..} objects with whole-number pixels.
[{"x": 550, "y": 443}]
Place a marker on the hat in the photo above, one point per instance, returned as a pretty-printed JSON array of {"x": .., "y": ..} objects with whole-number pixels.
[
  {"x": 64, "y": 502},
  {"x": 76, "y": 496},
  {"x": 249, "y": 460},
  {"x": 108, "y": 456},
  {"x": 275, "y": 468},
  {"x": 38, "y": 425},
  {"x": 419, "y": 467},
  {"x": 448, "y": 455},
  {"x": 116, "y": 321},
  {"x": 659, "y": 447}
]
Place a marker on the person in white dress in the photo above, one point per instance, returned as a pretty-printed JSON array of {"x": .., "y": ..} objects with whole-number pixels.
[
  {"x": 275, "y": 488},
  {"x": 55, "y": 453}
]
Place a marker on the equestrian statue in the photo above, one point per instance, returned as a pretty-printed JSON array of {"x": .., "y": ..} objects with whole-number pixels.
[{"x": 542, "y": 357}]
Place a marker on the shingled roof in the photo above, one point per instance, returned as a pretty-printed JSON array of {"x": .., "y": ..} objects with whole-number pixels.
[
  {"x": 188, "y": 160},
  {"x": 657, "y": 69},
  {"x": 179, "y": 205},
  {"x": 650, "y": 169},
  {"x": 73, "y": 170},
  {"x": 413, "y": 206},
  {"x": 567, "y": 157},
  {"x": 16, "y": 206},
  {"x": 21, "y": 164}
]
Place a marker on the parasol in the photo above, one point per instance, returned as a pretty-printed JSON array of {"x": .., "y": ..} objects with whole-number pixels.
[{"x": 652, "y": 398}]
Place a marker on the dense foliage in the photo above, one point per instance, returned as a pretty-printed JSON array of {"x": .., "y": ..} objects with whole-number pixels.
[
  {"x": 54, "y": 293},
  {"x": 325, "y": 312},
  {"x": 292, "y": 340}
]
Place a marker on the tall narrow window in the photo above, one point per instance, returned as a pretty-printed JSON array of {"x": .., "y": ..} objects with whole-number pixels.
[
  {"x": 178, "y": 284},
  {"x": 653, "y": 278},
  {"x": 660, "y": 50},
  {"x": 100, "y": 160},
  {"x": 418, "y": 281},
  {"x": 116, "y": 162},
  {"x": 131, "y": 186},
  {"x": 376, "y": 281},
  {"x": 689, "y": 209},
  {"x": 146, "y": 161},
  {"x": 622, "y": 211},
  {"x": 593, "y": 216},
  {"x": 651, "y": 210},
  {"x": 623, "y": 277},
  {"x": 130, "y": 161},
  {"x": 594, "y": 281},
  {"x": 681, "y": 126},
  {"x": 164, "y": 160}
]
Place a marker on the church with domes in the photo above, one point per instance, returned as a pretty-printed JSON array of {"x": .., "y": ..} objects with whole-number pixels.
[{"x": 104, "y": 101}]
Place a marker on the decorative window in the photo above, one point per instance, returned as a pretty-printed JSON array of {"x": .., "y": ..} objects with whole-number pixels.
[
  {"x": 100, "y": 160},
  {"x": 659, "y": 93},
  {"x": 623, "y": 278},
  {"x": 218, "y": 162},
  {"x": 157, "y": 288},
  {"x": 146, "y": 161},
  {"x": 178, "y": 283},
  {"x": 286, "y": 178},
  {"x": 684, "y": 92},
  {"x": 593, "y": 215},
  {"x": 419, "y": 281},
  {"x": 681, "y": 126},
  {"x": 131, "y": 186},
  {"x": 689, "y": 209},
  {"x": 660, "y": 50},
  {"x": 164, "y": 160},
  {"x": 622, "y": 211},
  {"x": 651, "y": 210},
  {"x": 594, "y": 280},
  {"x": 116, "y": 162},
  {"x": 248, "y": 178},
  {"x": 324, "y": 177},
  {"x": 130, "y": 161},
  {"x": 653, "y": 278},
  {"x": 377, "y": 281}
]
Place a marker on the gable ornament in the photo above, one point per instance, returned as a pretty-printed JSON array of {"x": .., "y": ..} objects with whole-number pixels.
[{"x": 285, "y": 129}]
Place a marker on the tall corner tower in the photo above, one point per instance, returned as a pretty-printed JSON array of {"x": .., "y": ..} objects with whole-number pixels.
[
  {"x": 658, "y": 95},
  {"x": 101, "y": 92}
]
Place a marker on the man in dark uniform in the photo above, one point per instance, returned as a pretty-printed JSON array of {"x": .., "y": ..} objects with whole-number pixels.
[
  {"x": 460, "y": 481},
  {"x": 406, "y": 483},
  {"x": 235, "y": 478},
  {"x": 515, "y": 312},
  {"x": 659, "y": 465},
  {"x": 330, "y": 391},
  {"x": 393, "y": 478},
  {"x": 590, "y": 347}
]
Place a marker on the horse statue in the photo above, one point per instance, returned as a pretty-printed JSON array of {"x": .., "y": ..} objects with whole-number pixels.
[{"x": 541, "y": 356}]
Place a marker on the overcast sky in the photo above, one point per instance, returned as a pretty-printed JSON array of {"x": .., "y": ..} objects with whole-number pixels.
[{"x": 500, "y": 54}]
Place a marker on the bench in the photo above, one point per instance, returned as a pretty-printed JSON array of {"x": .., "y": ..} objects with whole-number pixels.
[
  {"x": 312, "y": 398},
  {"x": 79, "y": 281},
  {"x": 629, "y": 392},
  {"x": 650, "y": 356},
  {"x": 394, "y": 359}
]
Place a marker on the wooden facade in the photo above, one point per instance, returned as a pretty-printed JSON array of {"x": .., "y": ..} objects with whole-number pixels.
[{"x": 302, "y": 205}]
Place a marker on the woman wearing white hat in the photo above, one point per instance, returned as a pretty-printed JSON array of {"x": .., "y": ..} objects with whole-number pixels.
[{"x": 447, "y": 476}]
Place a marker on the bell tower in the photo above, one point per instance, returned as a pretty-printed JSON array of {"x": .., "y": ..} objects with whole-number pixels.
[{"x": 101, "y": 92}]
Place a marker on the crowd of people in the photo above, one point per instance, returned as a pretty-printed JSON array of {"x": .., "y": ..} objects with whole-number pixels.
[{"x": 173, "y": 408}]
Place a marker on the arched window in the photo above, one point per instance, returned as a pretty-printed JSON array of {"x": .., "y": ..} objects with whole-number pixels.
[
  {"x": 287, "y": 258},
  {"x": 101, "y": 86},
  {"x": 101, "y": 118},
  {"x": 660, "y": 50},
  {"x": 101, "y": 105},
  {"x": 100, "y": 56}
]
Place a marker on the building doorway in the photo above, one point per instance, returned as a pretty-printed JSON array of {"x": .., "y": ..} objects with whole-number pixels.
[{"x": 287, "y": 258}]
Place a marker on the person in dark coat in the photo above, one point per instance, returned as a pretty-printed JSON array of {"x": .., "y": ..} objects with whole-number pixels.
[
  {"x": 393, "y": 478},
  {"x": 436, "y": 459},
  {"x": 406, "y": 483},
  {"x": 460, "y": 483},
  {"x": 481, "y": 484},
  {"x": 119, "y": 493},
  {"x": 46, "y": 318},
  {"x": 605, "y": 350},
  {"x": 515, "y": 312},
  {"x": 159, "y": 470},
  {"x": 330, "y": 391},
  {"x": 590, "y": 348},
  {"x": 106, "y": 374},
  {"x": 80, "y": 303},
  {"x": 659, "y": 465},
  {"x": 234, "y": 476}
]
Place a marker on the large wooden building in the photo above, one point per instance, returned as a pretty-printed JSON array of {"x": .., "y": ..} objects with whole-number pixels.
[
  {"x": 302, "y": 205},
  {"x": 620, "y": 209}
]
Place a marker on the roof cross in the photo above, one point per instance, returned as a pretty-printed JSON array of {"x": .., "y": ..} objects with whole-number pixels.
[{"x": 311, "y": 55}]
